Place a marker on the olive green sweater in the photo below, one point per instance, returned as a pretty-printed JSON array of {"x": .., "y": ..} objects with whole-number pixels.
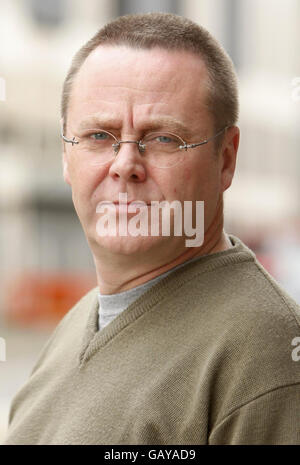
[{"x": 203, "y": 357}]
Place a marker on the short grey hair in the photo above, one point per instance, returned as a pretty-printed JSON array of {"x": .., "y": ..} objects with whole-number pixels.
[{"x": 170, "y": 32}]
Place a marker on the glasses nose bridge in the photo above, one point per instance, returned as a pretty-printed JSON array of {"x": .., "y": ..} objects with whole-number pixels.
[{"x": 117, "y": 145}]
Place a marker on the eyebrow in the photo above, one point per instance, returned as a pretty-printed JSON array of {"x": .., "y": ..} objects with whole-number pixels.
[
  {"x": 169, "y": 124},
  {"x": 165, "y": 123},
  {"x": 103, "y": 121}
]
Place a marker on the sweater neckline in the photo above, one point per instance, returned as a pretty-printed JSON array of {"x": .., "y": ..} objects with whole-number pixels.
[{"x": 93, "y": 340}]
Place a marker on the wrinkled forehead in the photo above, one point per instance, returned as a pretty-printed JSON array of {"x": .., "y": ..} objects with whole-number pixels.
[{"x": 142, "y": 77}]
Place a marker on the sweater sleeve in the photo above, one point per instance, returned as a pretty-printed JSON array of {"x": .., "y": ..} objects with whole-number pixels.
[{"x": 271, "y": 419}]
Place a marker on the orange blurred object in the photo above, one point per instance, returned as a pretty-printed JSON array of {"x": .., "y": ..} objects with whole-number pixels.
[
  {"x": 44, "y": 298},
  {"x": 267, "y": 262}
]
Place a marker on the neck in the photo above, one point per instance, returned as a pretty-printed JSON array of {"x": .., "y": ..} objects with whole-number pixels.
[{"x": 117, "y": 274}]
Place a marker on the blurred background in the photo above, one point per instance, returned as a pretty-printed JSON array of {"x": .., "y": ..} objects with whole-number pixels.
[{"x": 45, "y": 263}]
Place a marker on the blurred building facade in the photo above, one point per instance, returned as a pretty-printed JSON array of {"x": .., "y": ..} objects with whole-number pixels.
[{"x": 39, "y": 230}]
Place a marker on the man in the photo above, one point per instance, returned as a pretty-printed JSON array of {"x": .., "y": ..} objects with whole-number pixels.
[{"x": 177, "y": 344}]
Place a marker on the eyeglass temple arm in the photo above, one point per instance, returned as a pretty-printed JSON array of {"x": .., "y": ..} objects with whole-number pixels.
[
  {"x": 191, "y": 146},
  {"x": 70, "y": 141}
]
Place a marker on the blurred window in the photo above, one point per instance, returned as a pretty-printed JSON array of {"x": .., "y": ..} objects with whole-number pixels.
[
  {"x": 147, "y": 6},
  {"x": 234, "y": 33},
  {"x": 2, "y": 89},
  {"x": 48, "y": 12}
]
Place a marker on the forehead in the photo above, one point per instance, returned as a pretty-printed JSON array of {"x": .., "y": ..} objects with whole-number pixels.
[{"x": 149, "y": 81}]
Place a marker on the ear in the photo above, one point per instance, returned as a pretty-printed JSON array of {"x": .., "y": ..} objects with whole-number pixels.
[{"x": 228, "y": 156}]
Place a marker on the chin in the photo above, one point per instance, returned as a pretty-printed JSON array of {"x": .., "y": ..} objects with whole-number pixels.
[{"x": 128, "y": 245}]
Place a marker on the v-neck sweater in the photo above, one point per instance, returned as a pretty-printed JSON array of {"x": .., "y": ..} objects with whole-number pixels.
[
  {"x": 111, "y": 305},
  {"x": 202, "y": 357}
]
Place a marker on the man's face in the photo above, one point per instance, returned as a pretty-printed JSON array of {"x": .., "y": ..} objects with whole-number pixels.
[{"x": 129, "y": 93}]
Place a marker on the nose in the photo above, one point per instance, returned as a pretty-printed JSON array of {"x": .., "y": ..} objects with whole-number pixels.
[{"x": 128, "y": 164}]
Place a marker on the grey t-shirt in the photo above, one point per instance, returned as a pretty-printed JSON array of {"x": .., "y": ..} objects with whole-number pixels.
[{"x": 110, "y": 305}]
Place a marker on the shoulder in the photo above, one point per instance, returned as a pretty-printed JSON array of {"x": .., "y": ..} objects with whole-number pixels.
[
  {"x": 70, "y": 325},
  {"x": 250, "y": 327},
  {"x": 259, "y": 319},
  {"x": 237, "y": 281},
  {"x": 255, "y": 297},
  {"x": 78, "y": 313},
  {"x": 261, "y": 324}
]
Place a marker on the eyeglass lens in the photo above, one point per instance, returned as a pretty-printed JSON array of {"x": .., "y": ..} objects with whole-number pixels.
[{"x": 158, "y": 149}]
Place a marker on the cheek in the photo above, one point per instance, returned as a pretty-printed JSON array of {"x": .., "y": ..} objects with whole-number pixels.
[
  {"x": 86, "y": 179},
  {"x": 177, "y": 185},
  {"x": 182, "y": 180},
  {"x": 187, "y": 174},
  {"x": 201, "y": 179}
]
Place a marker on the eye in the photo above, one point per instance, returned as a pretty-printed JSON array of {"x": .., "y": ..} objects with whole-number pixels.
[
  {"x": 164, "y": 139},
  {"x": 100, "y": 136}
]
